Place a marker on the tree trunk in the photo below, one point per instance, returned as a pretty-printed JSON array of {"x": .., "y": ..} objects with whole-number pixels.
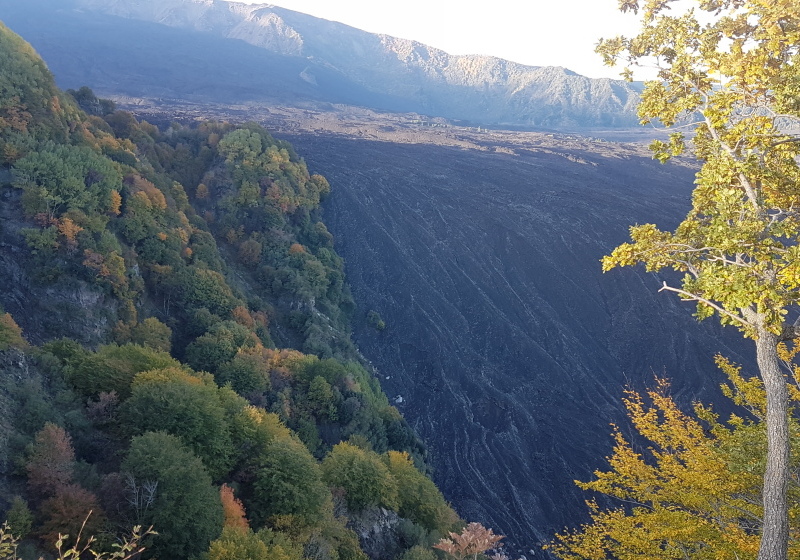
[{"x": 775, "y": 532}]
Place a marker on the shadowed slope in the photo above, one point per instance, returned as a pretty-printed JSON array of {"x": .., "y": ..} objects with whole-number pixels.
[{"x": 508, "y": 346}]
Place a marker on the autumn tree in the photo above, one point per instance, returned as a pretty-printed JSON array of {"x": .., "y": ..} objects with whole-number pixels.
[
  {"x": 692, "y": 491},
  {"x": 244, "y": 544},
  {"x": 729, "y": 74},
  {"x": 68, "y": 512},
  {"x": 473, "y": 540},
  {"x": 419, "y": 499},
  {"x": 232, "y": 509},
  {"x": 51, "y": 461},
  {"x": 10, "y": 333}
]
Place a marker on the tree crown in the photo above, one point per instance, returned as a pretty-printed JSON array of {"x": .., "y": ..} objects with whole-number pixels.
[{"x": 729, "y": 73}]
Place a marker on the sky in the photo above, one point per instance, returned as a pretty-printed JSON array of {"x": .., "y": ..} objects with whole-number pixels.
[{"x": 534, "y": 32}]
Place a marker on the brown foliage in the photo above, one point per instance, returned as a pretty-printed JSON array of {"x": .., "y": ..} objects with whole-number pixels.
[
  {"x": 51, "y": 462},
  {"x": 15, "y": 117},
  {"x": 104, "y": 408},
  {"x": 250, "y": 252},
  {"x": 242, "y": 316},
  {"x": 96, "y": 262},
  {"x": 261, "y": 319},
  {"x": 64, "y": 514}
]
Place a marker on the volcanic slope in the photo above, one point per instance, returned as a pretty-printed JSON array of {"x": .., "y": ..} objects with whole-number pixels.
[{"x": 505, "y": 346}]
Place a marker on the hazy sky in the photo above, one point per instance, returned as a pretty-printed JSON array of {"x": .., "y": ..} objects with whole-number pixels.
[{"x": 535, "y": 32}]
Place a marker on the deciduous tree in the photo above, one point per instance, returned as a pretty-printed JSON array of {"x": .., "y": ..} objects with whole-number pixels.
[
  {"x": 731, "y": 70},
  {"x": 364, "y": 478},
  {"x": 51, "y": 461},
  {"x": 184, "y": 405},
  {"x": 186, "y": 512},
  {"x": 473, "y": 540},
  {"x": 692, "y": 492},
  {"x": 288, "y": 481},
  {"x": 232, "y": 509}
]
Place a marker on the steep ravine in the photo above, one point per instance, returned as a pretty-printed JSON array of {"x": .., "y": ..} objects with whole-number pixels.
[{"x": 506, "y": 347}]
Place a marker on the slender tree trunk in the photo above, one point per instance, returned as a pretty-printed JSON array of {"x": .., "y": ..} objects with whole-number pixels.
[{"x": 775, "y": 532}]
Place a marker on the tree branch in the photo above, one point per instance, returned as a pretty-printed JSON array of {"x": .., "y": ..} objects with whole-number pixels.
[{"x": 694, "y": 297}]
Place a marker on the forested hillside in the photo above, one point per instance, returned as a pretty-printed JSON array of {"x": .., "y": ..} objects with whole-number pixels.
[{"x": 174, "y": 344}]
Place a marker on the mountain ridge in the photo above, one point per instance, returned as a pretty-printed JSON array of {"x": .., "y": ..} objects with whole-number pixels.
[{"x": 367, "y": 69}]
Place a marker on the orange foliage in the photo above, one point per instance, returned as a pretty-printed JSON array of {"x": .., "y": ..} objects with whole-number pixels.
[
  {"x": 162, "y": 236},
  {"x": 232, "y": 508},
  {"x": 96, "y": 262},
  {"x": 260, "y": 319},
  {"x": 142, "y": 187},
  {"x": 55, "y": 104},
  {"x": 283, "y": 362},
  {"x": 70, "y": 231},
  {"x": 10, "y": 333},
  {"x": 15, "y": 118},
  {"x": 242, "y": 316},
  {"x": 296, "y": 248}
]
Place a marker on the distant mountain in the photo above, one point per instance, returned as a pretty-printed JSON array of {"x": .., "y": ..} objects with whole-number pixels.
[{"x": 211, "y": 50}]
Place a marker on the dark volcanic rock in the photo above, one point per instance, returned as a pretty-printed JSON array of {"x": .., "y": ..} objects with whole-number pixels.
[{"x": 505, "y": 346}]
